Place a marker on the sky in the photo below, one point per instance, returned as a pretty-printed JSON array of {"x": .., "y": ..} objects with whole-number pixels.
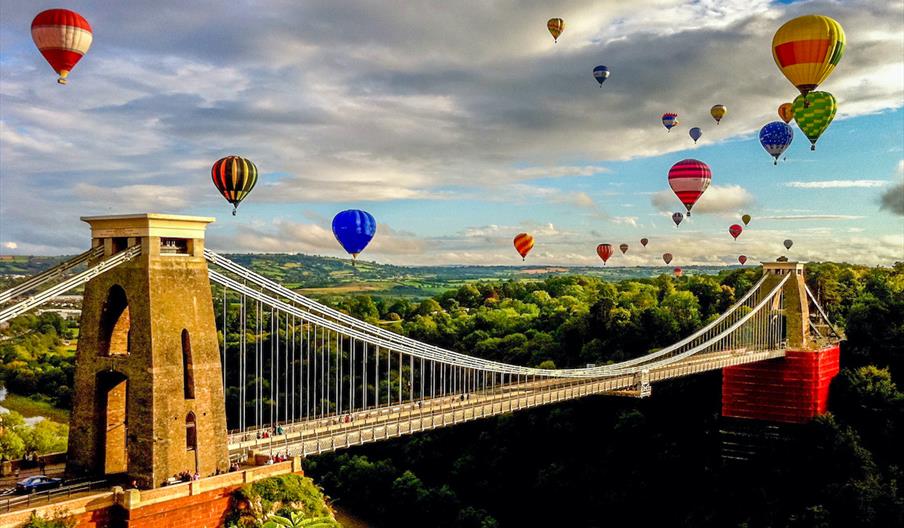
[{"x": 457, "y": 125}]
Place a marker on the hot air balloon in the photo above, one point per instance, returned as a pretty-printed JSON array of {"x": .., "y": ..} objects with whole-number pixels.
[
  {"x": 678, "y": 272},
  {"x": 523, "y": 244},
  {"x": 604, "y": 251},
  {"x": 667, "y": 258},
  {"x": 354, "y": 229},
  {"x": 735, "y": 230},
  {"x": 234, "y": 177},
  {"x": 807, "y": 49},
  {"x": 742, "y": 259},
  {"x": 775, "y": 138},
  {"x": 814, "y": 113},
  {"x": 669, "y": 120},
  {"x": 623, "y": 248},
  {"x": 788, "y": 243},
  {"x": 677, "y": 218},
  {"x": 786, "y": 112},
  {"x": 555, "y": 26},
  {"x": 689, "y": 179},
  {"x": 718, "y": 112},
  {"x": 746, "y": 219},
  {"x": 63, "y": 37},
  {"x": 695, "y": 134},
  {"x": 601, "y": 73},
  {"x": 644, "y": 242}
]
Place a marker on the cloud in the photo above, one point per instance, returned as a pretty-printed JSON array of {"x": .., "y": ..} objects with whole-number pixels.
[
  {"x": 360, "y": 102},
  {"x": 836, "y": 184},
  {"x": 10, "y": 245},
  {"x": 287, "y": 236},
  {"x": 627, "y": 220},
  {"x": 893, "y": 199},
  {"x": 717, "y": 199},
  {"x": 811, "y": 217}
]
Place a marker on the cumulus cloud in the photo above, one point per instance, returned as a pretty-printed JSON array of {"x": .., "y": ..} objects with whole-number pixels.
[
  {"x": 360, "y": 102},
  {"x": 10, "y": 245},
  {"x": 836, "y": 184},
  {"x": 718, "y": 199}
]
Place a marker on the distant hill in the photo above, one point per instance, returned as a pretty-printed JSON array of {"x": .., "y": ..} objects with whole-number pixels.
[{"x": 319, "y": 276}]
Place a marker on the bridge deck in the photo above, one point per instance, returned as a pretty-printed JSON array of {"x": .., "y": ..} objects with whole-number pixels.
[{"x": 332, "y": 433}]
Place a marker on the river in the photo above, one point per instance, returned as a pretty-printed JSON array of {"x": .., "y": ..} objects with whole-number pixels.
[{"x": 31, "y": 420}]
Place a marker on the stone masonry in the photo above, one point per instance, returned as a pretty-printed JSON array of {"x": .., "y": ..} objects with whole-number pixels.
[{"x": 141, "y": 322}]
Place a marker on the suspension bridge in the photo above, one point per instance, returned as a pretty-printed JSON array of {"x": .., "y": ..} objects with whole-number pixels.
[{"x": 187, "y": 360}]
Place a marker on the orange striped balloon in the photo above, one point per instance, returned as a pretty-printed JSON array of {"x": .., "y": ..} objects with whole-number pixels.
[
  {"x": 786, "y": 112},
  {"x": 523, "y": 244}
]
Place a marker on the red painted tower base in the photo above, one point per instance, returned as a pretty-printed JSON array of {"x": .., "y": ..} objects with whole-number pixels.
[{"x": 793, "y": 389}]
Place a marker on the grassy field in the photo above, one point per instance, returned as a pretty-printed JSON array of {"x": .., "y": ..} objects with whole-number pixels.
[{"x": 28, "y": 407}]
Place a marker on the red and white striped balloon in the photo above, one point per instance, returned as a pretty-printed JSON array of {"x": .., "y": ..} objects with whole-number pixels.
[
  {"x": 689, "y": 179},
  {"x": 604, "y": 251},
  {"x": 63, "y": 37}
]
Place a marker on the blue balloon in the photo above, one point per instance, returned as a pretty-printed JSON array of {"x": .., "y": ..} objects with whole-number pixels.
[
  {"x": 695, "y": 133},
  {"x": 775, "y": 138},
  {"x": 354, "y": 229},
  {"x": 601, "y": 73}
]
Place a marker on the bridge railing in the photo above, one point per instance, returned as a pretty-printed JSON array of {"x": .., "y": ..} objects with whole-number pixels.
[
  {"x": 62, "y": 287},
  {"x": 328, "y": 316}
]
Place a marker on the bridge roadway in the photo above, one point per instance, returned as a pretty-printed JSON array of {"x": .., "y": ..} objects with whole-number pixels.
[{"x": 333, "y": 432}]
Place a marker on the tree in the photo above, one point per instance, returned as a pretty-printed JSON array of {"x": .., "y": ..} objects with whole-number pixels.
[
  {"x": 868, "y": 399},
  {"x": 12, "y": 447}
]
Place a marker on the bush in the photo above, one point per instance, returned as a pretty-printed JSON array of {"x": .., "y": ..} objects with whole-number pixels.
[
  {"x": 59, "y": 519},
  {"x": 282, "y": 495}
]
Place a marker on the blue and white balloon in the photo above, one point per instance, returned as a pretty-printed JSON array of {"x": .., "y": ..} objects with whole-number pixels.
[
  {"x": 601, "y": 73},
  {"x": 775, "y": 138}
]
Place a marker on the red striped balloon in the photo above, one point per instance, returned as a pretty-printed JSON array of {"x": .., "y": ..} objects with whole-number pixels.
[
  {"x": 63, "y": 37},
  {"x": 604, "y": 251},
  {"x": 678, "y": 272},
  {"x": 689, "y": 179},
  {"x": 523, "y": 244},
  {"x": 735, "y": 230}
]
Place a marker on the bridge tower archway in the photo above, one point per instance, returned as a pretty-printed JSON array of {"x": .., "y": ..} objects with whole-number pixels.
[{"x": 148, "y": 356}]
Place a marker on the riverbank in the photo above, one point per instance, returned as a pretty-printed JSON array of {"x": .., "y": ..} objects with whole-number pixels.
[{"x": 34, "y": 410}]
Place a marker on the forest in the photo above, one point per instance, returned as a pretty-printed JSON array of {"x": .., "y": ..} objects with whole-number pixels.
[
  {"x": 655, "y": 462},
  {"x": 600, "y": 460}
]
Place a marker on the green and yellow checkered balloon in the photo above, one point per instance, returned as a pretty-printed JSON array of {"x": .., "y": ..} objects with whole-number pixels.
[{"x": 814, "y": 114}]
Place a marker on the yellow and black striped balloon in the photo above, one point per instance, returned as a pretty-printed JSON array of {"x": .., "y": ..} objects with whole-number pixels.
[{"x": 234, "y": 177}]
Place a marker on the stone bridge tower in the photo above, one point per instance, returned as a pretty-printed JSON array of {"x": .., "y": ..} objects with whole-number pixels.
[
  {"x": 795, "y": 388},
  {"x": 148, "y": 399}
]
